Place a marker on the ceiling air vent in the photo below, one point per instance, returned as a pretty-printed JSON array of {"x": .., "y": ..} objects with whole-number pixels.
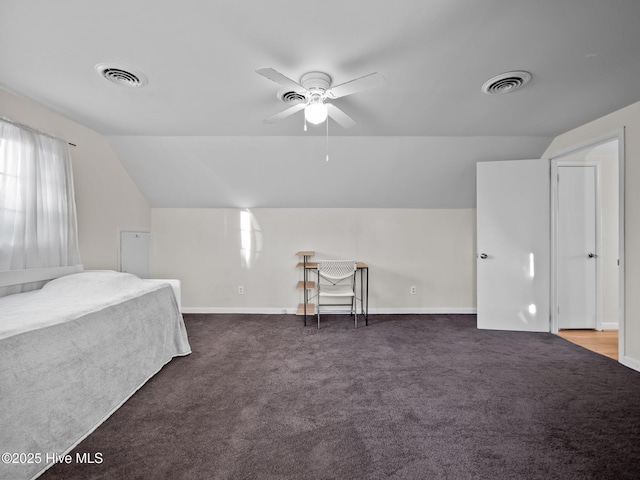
[
  {"x": 121, "y": 75},
  {"x": 292, "y": 97},
  {"x": 506, "y": 82}
]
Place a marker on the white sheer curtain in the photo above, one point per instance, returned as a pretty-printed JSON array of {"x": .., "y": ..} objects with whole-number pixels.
[{"x": 38, "y": 226}]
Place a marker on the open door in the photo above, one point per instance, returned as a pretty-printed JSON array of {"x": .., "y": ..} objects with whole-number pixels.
[{"x": 513, "y": 242}]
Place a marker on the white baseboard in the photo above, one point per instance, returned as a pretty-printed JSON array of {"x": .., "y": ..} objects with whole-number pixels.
[
  {"x": 609, "y": 325},
  {"x": 372, "y": 311},
  {"x": 631, "y": 363},
  {"x": 256, "y": 310},
  {"x": 424, "y": 310}
]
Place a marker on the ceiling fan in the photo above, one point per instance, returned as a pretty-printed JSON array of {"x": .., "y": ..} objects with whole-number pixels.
[{"x": 312, "y": 91}]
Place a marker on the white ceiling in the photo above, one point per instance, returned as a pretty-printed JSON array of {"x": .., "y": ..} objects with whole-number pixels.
[{"x": 194, "y": 136}]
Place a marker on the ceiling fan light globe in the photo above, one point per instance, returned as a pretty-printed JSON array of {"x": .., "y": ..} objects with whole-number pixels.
[{"x": 315, "y": 113}]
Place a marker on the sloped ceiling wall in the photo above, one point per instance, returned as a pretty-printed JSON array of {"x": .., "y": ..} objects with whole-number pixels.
[{"x": 249, "y": 172}]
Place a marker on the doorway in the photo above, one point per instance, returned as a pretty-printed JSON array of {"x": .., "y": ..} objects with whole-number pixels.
[
  {"x": 604, "y": 342},
  {"x": 605, "y": 155}
]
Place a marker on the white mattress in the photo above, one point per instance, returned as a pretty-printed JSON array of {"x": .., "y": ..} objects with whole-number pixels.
[{"x": 67, "y": 298}]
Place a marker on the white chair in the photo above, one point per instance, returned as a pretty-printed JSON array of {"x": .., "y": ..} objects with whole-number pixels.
[{"x": 337, "y": 281}]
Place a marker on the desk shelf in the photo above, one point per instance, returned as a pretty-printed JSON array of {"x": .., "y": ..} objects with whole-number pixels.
[
  {"x": 311, "y": 265},
  {"x": 305, "y": 308},
  {"x": 311, "y": 309}
]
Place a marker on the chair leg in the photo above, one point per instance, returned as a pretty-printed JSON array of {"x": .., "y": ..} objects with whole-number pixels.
[{"x": 318, "y": 315}]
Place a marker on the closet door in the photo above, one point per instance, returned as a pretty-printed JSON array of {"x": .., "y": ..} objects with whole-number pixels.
[
  {"x": 577, "y": 246},
  {"x": 135, "y": 253}
]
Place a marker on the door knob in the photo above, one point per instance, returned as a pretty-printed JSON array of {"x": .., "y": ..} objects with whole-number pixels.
[
  {"x": 592, "y": 255},
  {"x": 484, "y": 255}
]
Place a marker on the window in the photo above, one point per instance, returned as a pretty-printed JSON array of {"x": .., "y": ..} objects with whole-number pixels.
[{"x": 37, "y": 207}]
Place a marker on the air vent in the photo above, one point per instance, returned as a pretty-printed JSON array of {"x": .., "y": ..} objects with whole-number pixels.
[
  {"x": 292, "y": 97},
  {"x": 121, "y": 75},
  {"x": 506, "y": 82}
]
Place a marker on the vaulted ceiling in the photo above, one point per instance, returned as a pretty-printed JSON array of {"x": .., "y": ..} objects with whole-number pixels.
[{"x": 194, "y": 136}]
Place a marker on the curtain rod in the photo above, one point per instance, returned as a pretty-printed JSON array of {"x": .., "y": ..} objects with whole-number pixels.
[{"x": 22, "y": 125}]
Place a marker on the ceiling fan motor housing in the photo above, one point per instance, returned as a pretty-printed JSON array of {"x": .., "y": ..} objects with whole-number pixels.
[{"x": 316, "y": 81}]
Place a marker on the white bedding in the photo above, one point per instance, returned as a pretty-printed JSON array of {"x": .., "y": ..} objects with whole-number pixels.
[
  {"x": 72, "y": 353},
  {"x": 67, "y": 298}
]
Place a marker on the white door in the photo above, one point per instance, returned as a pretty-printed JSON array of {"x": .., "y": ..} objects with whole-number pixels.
[
  {"x": 513, "y": 245},
  {"x": 135, "y": 253},
  {"x": 577, "y": 246}
]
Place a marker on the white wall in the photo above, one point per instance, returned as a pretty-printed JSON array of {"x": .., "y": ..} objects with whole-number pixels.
[
  {"x": 106, "y": 197},
  {"x": 431, "y": 249},
  {"x": 629, "y": 119}
]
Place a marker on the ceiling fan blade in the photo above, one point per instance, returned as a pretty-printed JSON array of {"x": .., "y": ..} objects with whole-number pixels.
[
  {"x": 280, "y": 79},
  {"x": 356, "y": 85},
  {"x": 285, "y": 113},
  {"x": 344, "y": 120}
]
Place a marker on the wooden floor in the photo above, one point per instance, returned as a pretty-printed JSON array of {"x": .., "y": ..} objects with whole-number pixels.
[{"x": 604, "y": 342}]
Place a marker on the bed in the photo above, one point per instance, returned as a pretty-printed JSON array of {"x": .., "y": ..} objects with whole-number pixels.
[{"x": 74, "y": 351}]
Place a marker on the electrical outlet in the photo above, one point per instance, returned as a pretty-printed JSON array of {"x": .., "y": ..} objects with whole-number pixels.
[
  {"x": 413, "y": 290},
  {"x": 240, "y": 290}
]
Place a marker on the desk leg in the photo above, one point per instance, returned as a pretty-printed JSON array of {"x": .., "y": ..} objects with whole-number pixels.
[
  {"x": 366, "y": 315},
  {"x": 305, "y": 295},
  {"x": 364, "y": 294}
]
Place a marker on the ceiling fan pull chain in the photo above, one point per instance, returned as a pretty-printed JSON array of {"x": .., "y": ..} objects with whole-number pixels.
[
  {"x": 327, "y": 120},
  {"x": 305, "y": 123}
]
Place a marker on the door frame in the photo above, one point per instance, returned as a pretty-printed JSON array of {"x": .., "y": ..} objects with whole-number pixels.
[
  {"x": 618, "y": 135},
  {"x": 555, "y": 163}
]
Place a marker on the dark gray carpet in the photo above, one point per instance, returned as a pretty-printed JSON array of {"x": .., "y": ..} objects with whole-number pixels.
[{"x": 409, "y": 396}]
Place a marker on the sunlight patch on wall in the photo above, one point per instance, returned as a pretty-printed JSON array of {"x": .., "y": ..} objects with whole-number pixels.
[{"x": 250, "y": 238}]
